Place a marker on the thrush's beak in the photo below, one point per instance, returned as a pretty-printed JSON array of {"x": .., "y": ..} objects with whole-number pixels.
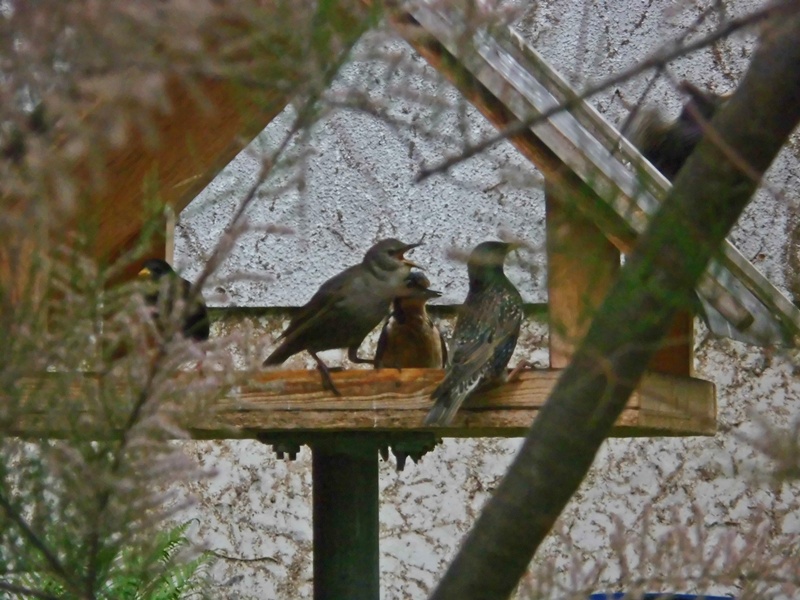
[
  {"x": 432, "y": 293},
  {"x": 145, "y": 272},
  {"x": 407, "y": 248}
]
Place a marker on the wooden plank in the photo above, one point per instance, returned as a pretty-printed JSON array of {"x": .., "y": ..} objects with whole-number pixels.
[
  {"x": 582, "y": 264},
  {"x": 372, "y": 401},
  {"x": 676, "y": 352}
]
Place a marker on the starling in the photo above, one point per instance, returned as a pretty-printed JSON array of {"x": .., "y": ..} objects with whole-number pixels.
[
  {"x": 669, "y": 145},
  {"x": 195, "y": 323},
  {"x": 409, "y": 338},
  {"x": 485, "y": 335},
  {"x": 347, "y": 307}
]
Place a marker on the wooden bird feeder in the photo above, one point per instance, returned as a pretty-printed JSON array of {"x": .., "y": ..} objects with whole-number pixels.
[{"x": 584, "y": 162}]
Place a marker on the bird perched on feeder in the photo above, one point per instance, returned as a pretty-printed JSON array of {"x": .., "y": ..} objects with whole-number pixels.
[
  {"x": 668, "y": 145},
  {"x": 347, "y": 307},
  {"x": 409, "y": 339},
  {"x": 161, "y": 297},
  {"x": 485, "y": 335}
]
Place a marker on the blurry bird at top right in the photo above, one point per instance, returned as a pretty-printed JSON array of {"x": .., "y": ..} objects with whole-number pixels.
[
  {"x": 669, "y": 145},
  {"x": 485, "y": 335}
]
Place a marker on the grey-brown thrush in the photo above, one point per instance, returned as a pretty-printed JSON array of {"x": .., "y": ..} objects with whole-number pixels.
[{"x": 347, "y": 307}]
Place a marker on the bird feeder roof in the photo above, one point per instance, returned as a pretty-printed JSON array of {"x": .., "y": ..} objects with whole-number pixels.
[{"x": 736, "y": 299}]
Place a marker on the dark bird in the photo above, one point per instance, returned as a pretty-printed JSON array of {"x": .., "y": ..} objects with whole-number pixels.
[
  {"x": 409, "y": 338},
  {"x": 14, "y": 139},
  {"x": 347, "y": 307},
  {"x": 163, "y": 285},
  {"x": 669, "y": 145},
  {"x": 486, "y": 332}
]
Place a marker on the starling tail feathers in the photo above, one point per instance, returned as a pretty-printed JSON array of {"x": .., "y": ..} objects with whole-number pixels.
[
  {"x": 474, "y": 366},
  {"x": 450, "y": 395}
]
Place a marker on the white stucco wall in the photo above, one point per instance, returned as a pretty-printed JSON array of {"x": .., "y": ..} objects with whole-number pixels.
[{"x": 359, "y": 188}]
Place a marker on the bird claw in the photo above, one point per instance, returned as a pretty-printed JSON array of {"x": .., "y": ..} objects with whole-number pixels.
[
  {"x": 327, "y": 382},
  {"x": 517, "y": 371}
]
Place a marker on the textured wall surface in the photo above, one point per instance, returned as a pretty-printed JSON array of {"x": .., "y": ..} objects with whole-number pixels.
[{"x": 357, "y": 185}]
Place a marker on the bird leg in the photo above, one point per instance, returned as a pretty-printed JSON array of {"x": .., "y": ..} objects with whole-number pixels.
[
  {"x": 352, "y": 354},
  {"x": 517, "y": 371},
  {"x": 327, "y": 382}
]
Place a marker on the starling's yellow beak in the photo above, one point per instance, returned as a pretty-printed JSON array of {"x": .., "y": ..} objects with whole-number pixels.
[{"x": 145, "y": 272}]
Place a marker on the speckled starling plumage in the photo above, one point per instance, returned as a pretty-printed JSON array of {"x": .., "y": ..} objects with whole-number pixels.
[
  {"x": 485, "y": 335},
  {"x": 163, "y": 284},
  {"x": 347, "y": 307},
  {"x": 409, "y": 338},
  {"x": 669, "y": 145}
]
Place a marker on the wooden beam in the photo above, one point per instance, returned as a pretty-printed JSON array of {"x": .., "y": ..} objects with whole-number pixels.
[
  {"x": 388, "y": 400},
  {"x": 527, "y": 143},
  {"x": 582, "y": 264},
  {"x": 676, "y": 352}
]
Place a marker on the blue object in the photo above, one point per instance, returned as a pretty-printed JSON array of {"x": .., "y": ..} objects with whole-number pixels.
[{"x": 656, "y": 596}]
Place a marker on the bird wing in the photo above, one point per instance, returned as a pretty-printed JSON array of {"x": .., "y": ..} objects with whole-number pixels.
[
  {"x": 477, "y": 336},
  {"x": 322, "y": 302},
  {"x": 195, "y": 322},
  {"x": 476, "y": 339},
  {"x": 383, "y": 340}
]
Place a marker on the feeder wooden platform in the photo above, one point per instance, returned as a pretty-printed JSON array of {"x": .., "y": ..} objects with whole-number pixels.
[{"x": 388, "y": 401}]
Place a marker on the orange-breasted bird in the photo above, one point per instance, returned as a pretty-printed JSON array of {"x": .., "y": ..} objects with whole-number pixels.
[
  {"x": 347, "y": 307},
  {"x": 485, "y": 335},
  {"x": 409, "y": 338}
]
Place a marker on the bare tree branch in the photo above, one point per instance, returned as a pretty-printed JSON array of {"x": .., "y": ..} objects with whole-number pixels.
[{"x": 707, "y": 198}]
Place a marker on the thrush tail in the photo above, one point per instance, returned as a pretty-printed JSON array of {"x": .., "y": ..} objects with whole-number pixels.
[{"x": 279, "y": 355}]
